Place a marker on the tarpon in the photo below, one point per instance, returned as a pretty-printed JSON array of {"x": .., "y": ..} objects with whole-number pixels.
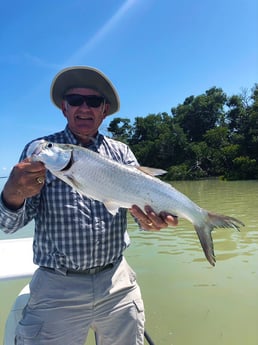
[{"x": 117, "y": 185}]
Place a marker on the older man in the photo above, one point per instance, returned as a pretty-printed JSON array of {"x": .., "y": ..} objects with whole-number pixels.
[{"x": 83, "y": 279}]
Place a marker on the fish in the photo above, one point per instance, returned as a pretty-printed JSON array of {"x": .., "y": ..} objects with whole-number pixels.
[{"x": 117, "y": 185}]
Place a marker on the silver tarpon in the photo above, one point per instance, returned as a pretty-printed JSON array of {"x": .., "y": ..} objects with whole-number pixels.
[{"x": 117, "y": 185}]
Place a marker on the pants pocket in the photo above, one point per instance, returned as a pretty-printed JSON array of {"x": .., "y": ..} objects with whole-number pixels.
[
  {"x": 27, "y": 331},
  {"x": 139, "y": 305}
]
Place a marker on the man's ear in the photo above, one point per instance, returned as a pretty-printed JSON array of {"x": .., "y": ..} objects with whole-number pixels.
[
  {"x": 64, "y": 108},
  {"x": 106, "y": 110}
]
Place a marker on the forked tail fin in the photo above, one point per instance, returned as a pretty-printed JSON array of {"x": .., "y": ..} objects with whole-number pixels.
[{"x": 204, "y": 232}]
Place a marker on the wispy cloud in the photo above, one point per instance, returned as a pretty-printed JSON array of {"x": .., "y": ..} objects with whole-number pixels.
[
  {"x": 38, "y": 61},
  {"x": 102, "y": 32},
  {"x": 26, "y": 57}
]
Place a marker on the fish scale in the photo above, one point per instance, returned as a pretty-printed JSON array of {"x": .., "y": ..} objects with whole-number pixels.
[{"x": 118, "y": 185}]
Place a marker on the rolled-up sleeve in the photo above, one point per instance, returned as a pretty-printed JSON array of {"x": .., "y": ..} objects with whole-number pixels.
[{"x": 11, "y": 221}]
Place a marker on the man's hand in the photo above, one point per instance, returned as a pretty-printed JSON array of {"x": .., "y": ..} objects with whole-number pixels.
[
  {"x": 152, "y": 221},
  {"x": 26, "y": 180}
]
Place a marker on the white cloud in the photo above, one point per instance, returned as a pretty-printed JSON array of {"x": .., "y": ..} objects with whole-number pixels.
[{"x": 4, "y": 172}]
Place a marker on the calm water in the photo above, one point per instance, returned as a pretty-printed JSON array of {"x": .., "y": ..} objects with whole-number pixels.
[{"x": 187, "y": 301}]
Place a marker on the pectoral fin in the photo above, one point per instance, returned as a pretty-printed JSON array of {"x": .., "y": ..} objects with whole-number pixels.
[
  {"x": 111, "y": 206},
  {"x": 73, "y": 182}
]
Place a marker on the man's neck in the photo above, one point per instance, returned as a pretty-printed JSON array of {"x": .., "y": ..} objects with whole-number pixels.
[{"x": 86, "y": 140}]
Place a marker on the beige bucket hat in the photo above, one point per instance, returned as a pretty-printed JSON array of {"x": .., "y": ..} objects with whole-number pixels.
[{"x": 84, "y": 76}]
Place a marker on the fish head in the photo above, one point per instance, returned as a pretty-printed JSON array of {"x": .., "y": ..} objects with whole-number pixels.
[{"x": 55, "y": 157}]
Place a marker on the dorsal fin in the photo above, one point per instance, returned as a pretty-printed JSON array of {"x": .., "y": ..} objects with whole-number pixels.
[{"x": 152, "y": 171}]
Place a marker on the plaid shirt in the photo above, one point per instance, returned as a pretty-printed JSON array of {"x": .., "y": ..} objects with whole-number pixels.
[{"x": 72, "y": 231}]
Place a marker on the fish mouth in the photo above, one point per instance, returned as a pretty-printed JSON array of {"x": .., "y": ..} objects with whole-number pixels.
[{"x": 35, "y": 148}]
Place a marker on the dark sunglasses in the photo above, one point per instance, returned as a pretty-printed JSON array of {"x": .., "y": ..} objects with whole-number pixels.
[{"x": 92, "y": 101}]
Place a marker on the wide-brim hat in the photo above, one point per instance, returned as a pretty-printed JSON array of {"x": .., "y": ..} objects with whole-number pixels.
[{"x": 84, "y": 77}]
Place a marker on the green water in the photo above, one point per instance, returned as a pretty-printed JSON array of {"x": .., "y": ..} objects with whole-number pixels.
[{"x": 186, "y": 300}]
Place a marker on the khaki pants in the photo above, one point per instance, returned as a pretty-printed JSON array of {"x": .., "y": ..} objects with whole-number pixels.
[{"x": 62, "y": 308}]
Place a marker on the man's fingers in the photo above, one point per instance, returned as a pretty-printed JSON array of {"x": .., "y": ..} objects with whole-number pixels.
[
  {"x": 149, "y": 220},
  {"x": 28, "y": 166},
  {"x": 157, "y": 221},
  {"x": 169, "y": 218}
]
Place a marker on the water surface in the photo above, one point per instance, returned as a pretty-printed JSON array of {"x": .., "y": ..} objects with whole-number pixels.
[{"x": 186, "y": 300}]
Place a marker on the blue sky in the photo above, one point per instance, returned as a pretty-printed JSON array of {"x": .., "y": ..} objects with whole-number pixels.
[{"x": 156, "y": 52}]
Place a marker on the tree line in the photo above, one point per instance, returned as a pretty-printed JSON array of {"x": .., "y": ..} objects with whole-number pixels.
[{"x": 208, "y": 135}]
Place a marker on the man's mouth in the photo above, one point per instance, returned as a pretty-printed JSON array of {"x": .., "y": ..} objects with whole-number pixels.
[{"x": 84, "y": 118}]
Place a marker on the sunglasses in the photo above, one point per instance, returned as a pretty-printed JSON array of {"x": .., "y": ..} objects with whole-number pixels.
[{"x": 92, "y": 101}]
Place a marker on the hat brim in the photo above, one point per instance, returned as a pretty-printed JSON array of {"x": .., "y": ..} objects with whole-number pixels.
[{"x": 84, "y": 77}]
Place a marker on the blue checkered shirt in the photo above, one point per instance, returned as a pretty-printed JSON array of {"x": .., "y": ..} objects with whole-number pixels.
[{"x": 72, "y": 231}]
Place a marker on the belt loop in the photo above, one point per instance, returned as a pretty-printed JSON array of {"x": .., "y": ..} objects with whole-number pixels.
[{"x": 61, "y": 270}]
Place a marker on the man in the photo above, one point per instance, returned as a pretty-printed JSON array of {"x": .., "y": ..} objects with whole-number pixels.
[{"x": 83, "y": 279}]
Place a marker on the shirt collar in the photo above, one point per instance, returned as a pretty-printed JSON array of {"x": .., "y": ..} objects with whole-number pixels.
[{"x": 94, "y": 144}]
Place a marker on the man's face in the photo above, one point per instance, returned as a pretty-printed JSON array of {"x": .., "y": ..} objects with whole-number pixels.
[{"x": 84, "y": 120}]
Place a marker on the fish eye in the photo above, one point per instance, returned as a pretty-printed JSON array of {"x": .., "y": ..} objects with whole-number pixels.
[{"x": 49, "y": 145}]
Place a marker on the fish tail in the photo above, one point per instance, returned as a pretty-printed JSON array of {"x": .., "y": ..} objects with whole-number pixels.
[
  {"x": 221, "y": 221},
  {"x": 204, "y": 232}
]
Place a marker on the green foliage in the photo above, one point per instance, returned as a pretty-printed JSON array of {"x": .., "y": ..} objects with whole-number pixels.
[
  {"x": 244, "y": 168},
  {"x": 184, "y": 172},
  {"x": 199, "y": 114},
  {"x": 208, "y": 135},
  {"x": 178, "y": 172},
  {"x": 120, "y": 129}
]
